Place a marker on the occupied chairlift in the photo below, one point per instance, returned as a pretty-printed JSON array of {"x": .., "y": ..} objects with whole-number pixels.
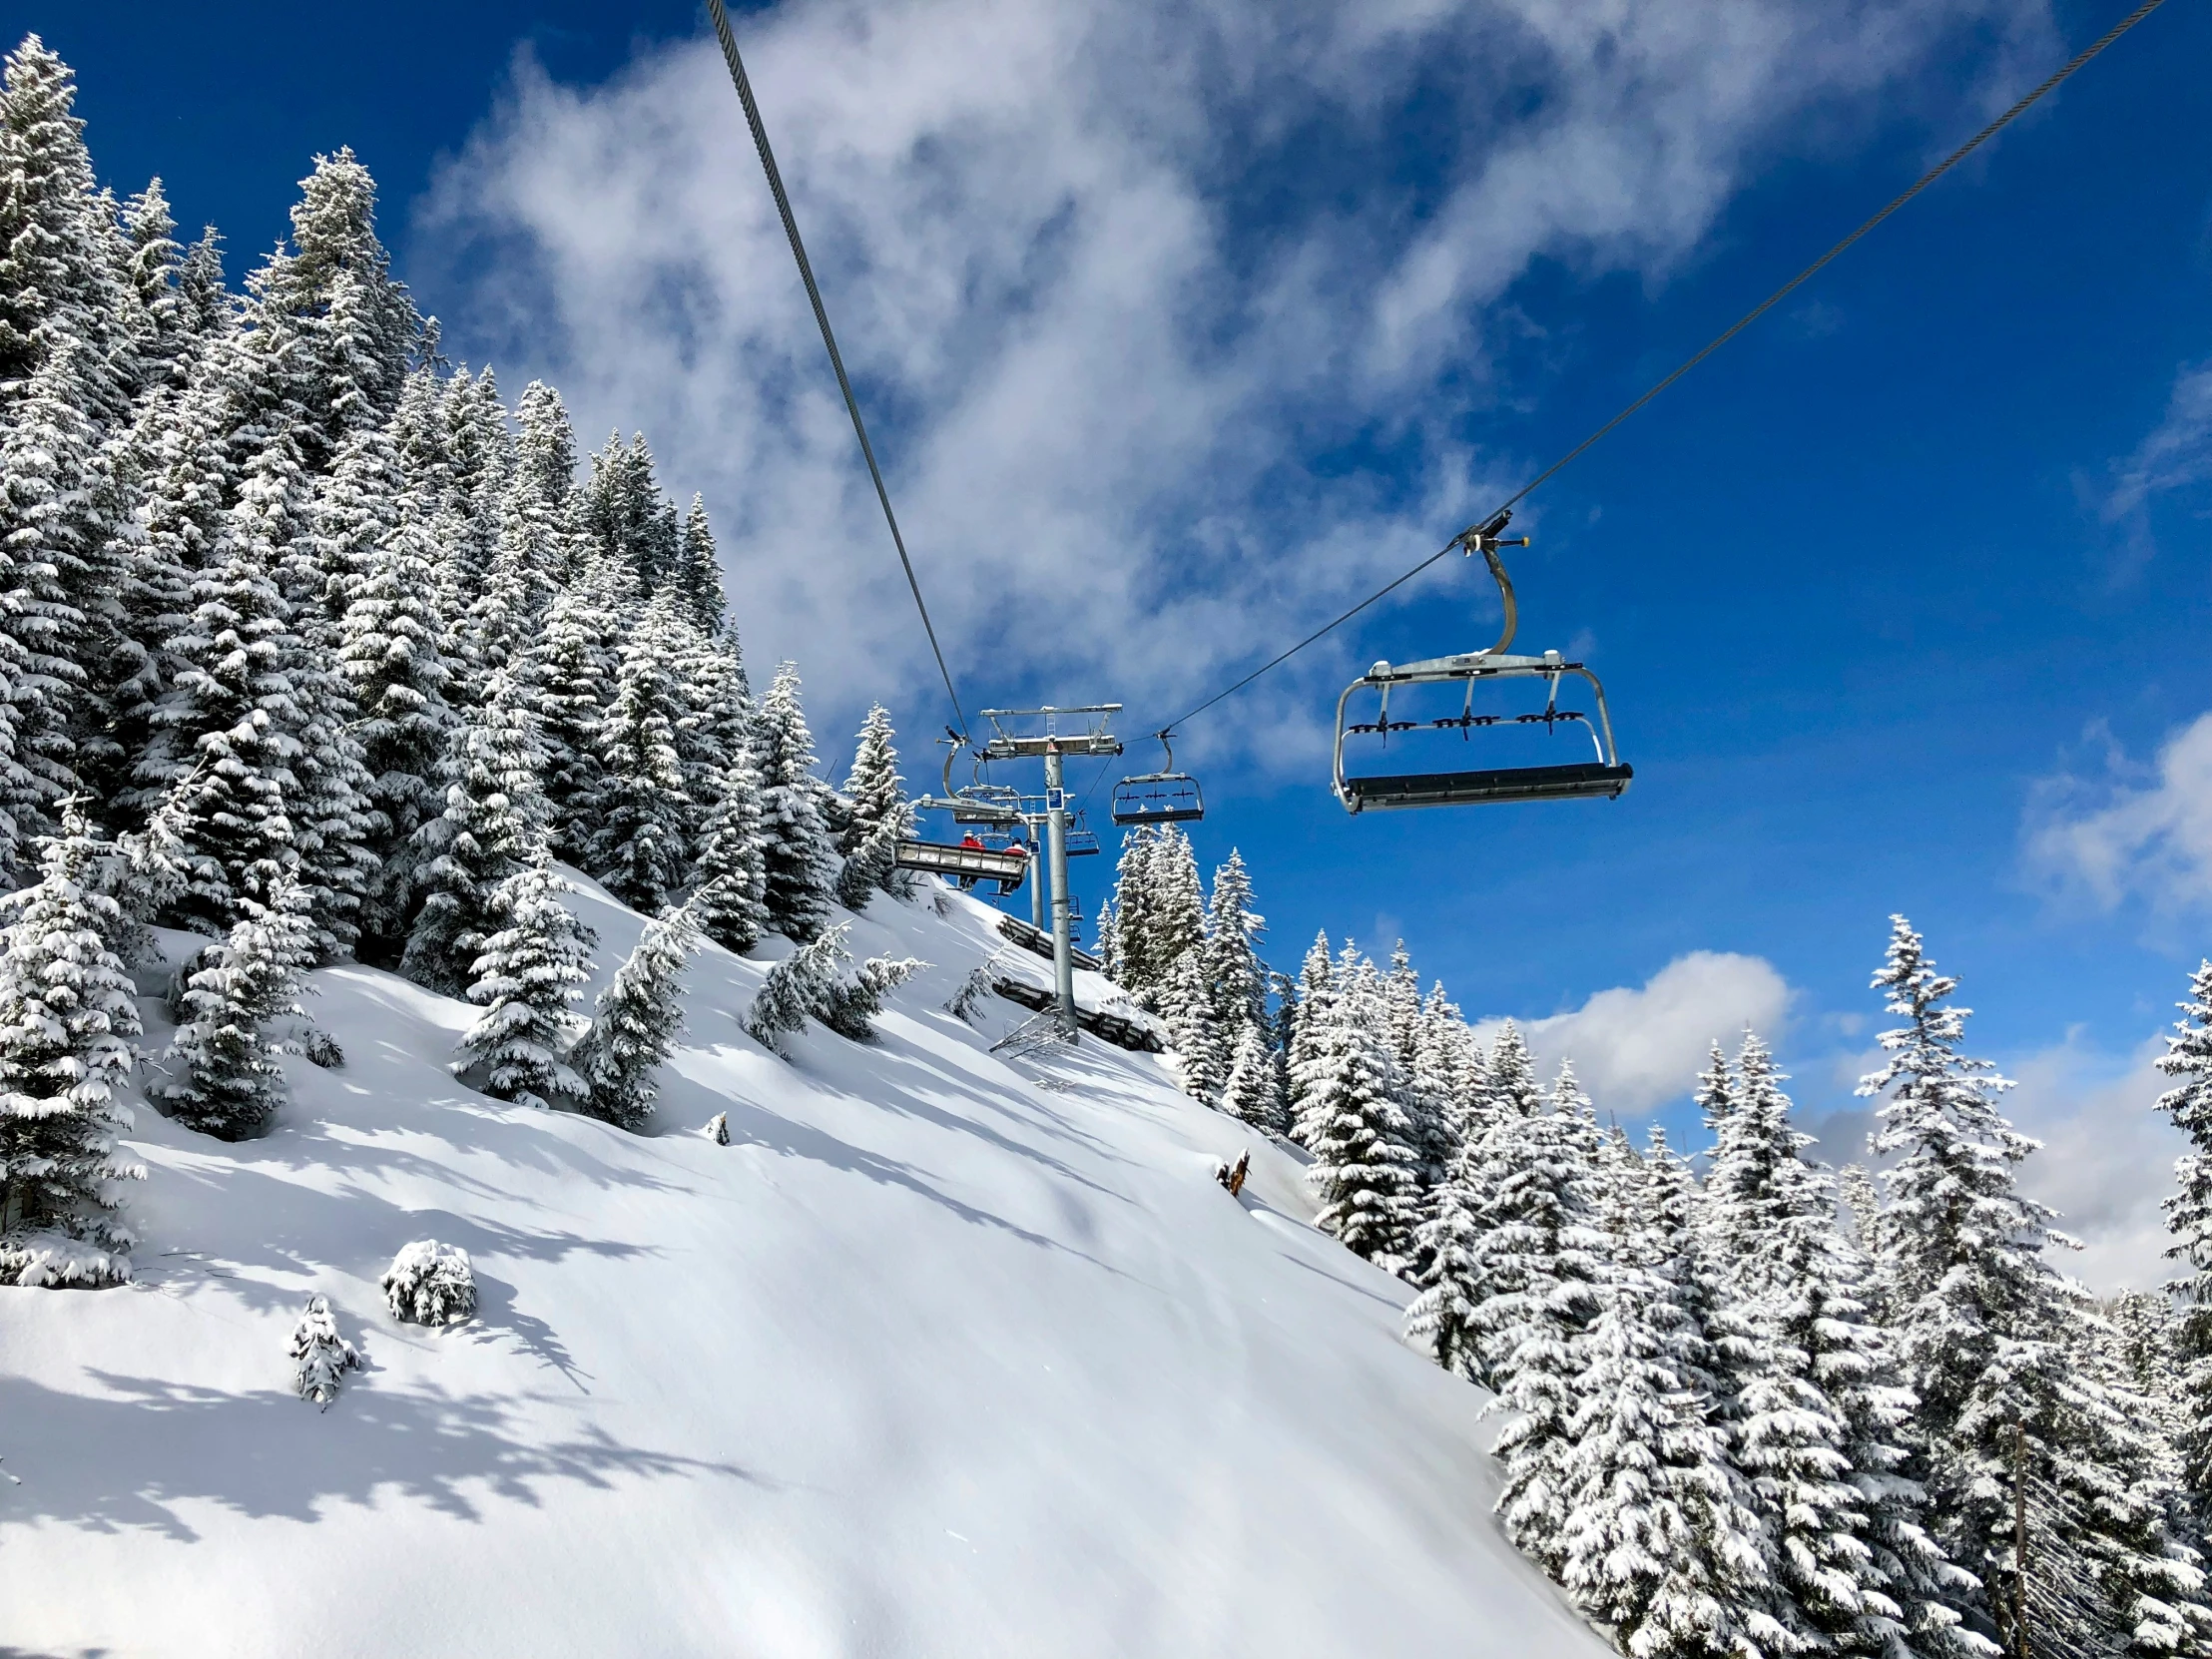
[
  {"x": 992, "y": 807},
  {"x": 1604, "y": 775},
  {"x": 1163, "y": 797}
]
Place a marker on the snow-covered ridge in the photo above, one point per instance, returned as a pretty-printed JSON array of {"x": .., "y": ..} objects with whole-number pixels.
[{"x": 942, "y": 1355}]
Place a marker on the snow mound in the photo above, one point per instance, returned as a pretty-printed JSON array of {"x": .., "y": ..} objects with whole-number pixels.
[{"x": 944, "y": 1353}]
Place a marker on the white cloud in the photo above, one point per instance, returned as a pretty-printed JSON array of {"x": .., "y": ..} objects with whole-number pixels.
[
  {"x": 2108, "y": 1158},
  {"x": 1108, "y": 275},
  {"x": 2150, "y": 838},
  {"x": 1636, "y": 1049}
]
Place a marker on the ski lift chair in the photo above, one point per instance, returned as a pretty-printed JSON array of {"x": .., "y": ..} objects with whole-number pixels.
[
  {"x": 1163, "y": 797},
  {"x": 1604, "y": 774},
  {"x": 1082, "y": 840}
]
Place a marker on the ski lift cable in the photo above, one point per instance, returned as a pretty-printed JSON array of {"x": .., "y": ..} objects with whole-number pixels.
[
  {"x": 1738, "y": 326},
  {"x": 822, "y": 316}
]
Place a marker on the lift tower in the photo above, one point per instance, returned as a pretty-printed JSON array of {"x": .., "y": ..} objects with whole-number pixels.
[{"x": 1052, "y": 746}]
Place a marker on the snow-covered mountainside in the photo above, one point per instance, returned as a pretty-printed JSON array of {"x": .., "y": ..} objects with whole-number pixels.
[{"x": 944, "y": 1353}]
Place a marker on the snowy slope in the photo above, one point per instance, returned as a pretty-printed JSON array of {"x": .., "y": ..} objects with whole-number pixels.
[{"x": 947, "y": 1356}]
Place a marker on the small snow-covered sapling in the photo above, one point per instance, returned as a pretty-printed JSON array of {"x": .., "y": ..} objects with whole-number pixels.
[
  {"x": 430, "y": 1282},
  {"x": 970, "y": 997},
  {"x": 320, "y": 1357},
  {"x": 718, "y": 1129},
  {"x": 323, "y": 1050}
]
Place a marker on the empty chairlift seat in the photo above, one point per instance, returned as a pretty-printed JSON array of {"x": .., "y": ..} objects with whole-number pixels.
[{"x": 1163, "y": 797}]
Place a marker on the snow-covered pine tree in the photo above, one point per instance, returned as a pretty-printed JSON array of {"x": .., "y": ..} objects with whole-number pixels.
[
  {"x": 527, "y": 978},
  {"x": 876, "y": 816},
  {"x": 635, "y": 813},
  {"x": 1754, "y": 1160},
  {"x": 567, "y": 674},
  {"x": 48, "y": 534},
  {"x": 1448, "y": 1244},
  {"x": 625, "y": 515},
  {"x": 1646, "y": 1517},
  {"x": 225, "y": 1080},
  {"x": 2188, "y": 1060},
  {"x": 1202, "y": 1051},
  {"x": 698, "y": 574},
  {"x": 635, "y": 1024},
  {"x": 538, "y": 540},
  {"x": 1132, "y": 907},
  {"x": 67, "y": 1017},
  {"x": 1823, "y": 1422},
  {"x": 1254, "y": 1092},
  {"x": 1308, "y": 1017},
  {"x": 1236, "y": 977},
  {"x": 1358, "y": 1134},
  {"x": 320, "y": 1357},
  {"x": 730, "y": 898},
  {"x": 1984, "y": 1324},
  {"x": 57, "y": 277},
  {"x": 797, "y": 988},
  {"x": 1538, "y": 1255},
  {"x": 875, "y": 791},
  {"x": 387, "y": 633},
  {"x": 493, "y": 825},
  {"x": 1178, "y": 919},
  {"x": 800, "y": 860}
]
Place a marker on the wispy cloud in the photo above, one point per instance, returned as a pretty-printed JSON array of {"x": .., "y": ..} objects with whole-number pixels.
[
  {"x": 1110, "y": 277},
  {"x": 2176, "y": 454}
]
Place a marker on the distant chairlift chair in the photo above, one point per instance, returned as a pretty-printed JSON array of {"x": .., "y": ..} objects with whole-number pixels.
[
  {"x": 1163, "y": 797},
  {"x": 1605, "y": 776}
]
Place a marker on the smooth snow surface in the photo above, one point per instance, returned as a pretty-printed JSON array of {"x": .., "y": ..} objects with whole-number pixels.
[{"x": 944, "y": 1355}]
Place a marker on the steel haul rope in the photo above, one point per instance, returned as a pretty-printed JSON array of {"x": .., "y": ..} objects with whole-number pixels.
[{"x": 822, "y": 316}]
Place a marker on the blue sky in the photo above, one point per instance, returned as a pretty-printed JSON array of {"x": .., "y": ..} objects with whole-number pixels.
[{"x": 1179, "y": 324}]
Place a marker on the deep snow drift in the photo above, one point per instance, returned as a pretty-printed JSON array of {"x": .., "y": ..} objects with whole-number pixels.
[{"x": 946, "y": 1354}]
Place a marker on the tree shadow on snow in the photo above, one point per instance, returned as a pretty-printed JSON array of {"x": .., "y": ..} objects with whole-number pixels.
[{"x": 162, "y": 1445}]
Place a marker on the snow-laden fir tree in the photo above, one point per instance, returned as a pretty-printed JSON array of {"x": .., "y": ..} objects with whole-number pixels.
[
  {"x": 1201, "y": 1055},
  {"x": 1822, "y": 1412},
  {"x": 877, "y": 813},
  {"x": 527, "y": 978},
  {"x": 797, "y": 988},
  {"x": 568, "y": 675},
  {"x": 635, "y": 1024},
  {"x": 1307, "y": 1011},
  {"x": 66, "y": 1020},
  {"x": 1986, "y": 1326},
  {"x": 1236, "y": 977},
  {"x": 493, "y": 824},
  {"x": 799, "y": 858},
  {"x": 47, "y": 450},
  {"x": 1131, "y": 909},
  {"x": 1648, "y": 1520},
  {"x": 1253, "y": 1091},
  {"x": 1447, "y": 1246},
  {"x": 320, "y": 1357},
  {"x": 1352, "y": 1123},
  {"x": 224, "y": 1076},
  {"x": 730, "y": 898},
  {"x": 1538, "y": 1252},
  {"x": 698, "y": 574},
  {"x": 2188, "y": 1060},
  {"x": 634, "y": 834}
]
